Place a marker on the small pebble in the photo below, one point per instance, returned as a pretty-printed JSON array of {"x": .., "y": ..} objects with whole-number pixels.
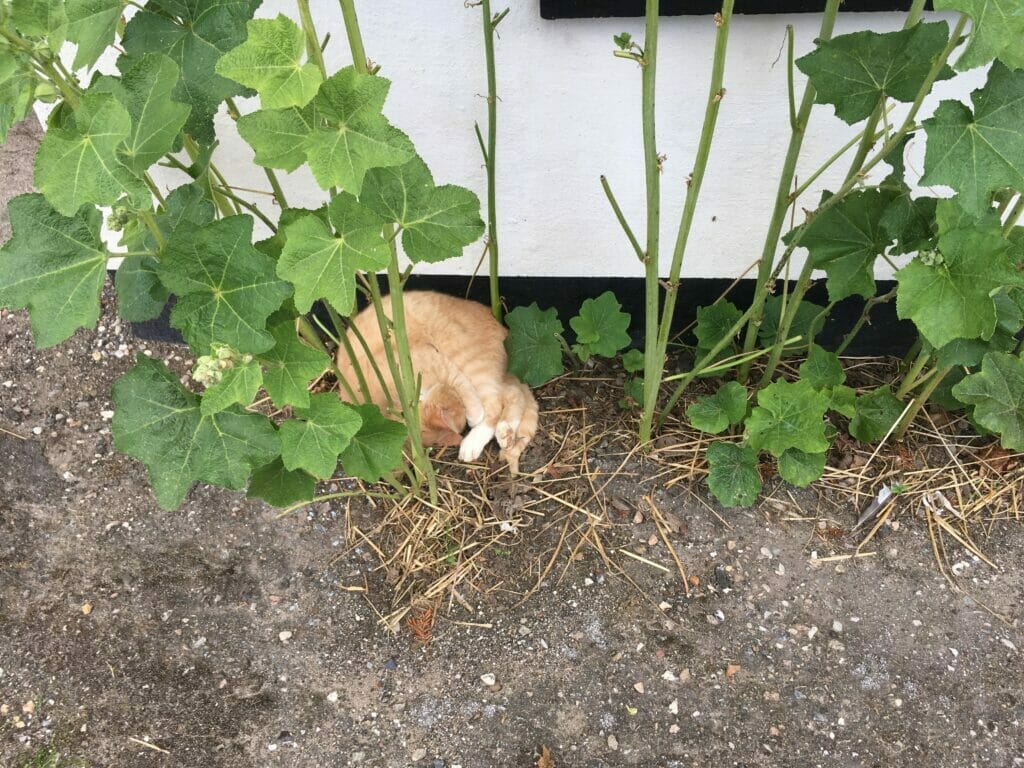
[
  {"x": 418, "y": 754},
  {"x": 333, "y": 697},
  {"x": 837, "y": 626},
  {"x": 285, "y": 636},
  {"x": 488, "y": 678},
  {"x": 613, "y": 743}
]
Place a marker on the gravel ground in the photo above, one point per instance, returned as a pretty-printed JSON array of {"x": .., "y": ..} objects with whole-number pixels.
[{"x": 219, "y": 635}]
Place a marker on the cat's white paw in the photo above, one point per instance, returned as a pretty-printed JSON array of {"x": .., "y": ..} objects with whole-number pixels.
[{"x": 474, "y": 442}]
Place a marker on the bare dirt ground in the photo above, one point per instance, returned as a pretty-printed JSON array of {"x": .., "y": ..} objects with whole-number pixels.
[{"x": 221, "y": 635}]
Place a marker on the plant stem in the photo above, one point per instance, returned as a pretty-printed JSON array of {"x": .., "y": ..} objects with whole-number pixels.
[
  {"x": 782, "y": 197},
  {"x": 1013, "y": 216},
  {"x": 828, "y": 164},
  {"x": 222, "y": 203},
  {"x": 151, "y": 225},
  {"x": 652, "y": 177},
  {"x": 789, "y": 78},
  {"x": 355, "y": 39},
  {"x": 402, "y": 374},
  {"x": 313, "y": 51},
  {"x": 920, "y": 400},
  {"x": 716, "y": 93},
  {"x": 913, "y": 372},
  {"x": 489, "y": 158},
  {"x": 622, "y": 220},
  {"x": 863, "y": 319}
]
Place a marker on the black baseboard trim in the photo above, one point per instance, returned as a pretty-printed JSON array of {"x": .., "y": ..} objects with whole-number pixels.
[
  {"x": 584, "y": 9},
  {"x": 885, "y": 335}
]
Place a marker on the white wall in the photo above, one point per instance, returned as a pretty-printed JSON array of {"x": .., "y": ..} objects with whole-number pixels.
[{"x": 570, "y": 111}]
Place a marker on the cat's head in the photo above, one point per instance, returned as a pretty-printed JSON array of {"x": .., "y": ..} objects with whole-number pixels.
[{"x": 442, "y": 416}]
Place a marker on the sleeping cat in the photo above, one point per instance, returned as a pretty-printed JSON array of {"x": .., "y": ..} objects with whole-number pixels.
[{"x": 457, "y": 350}]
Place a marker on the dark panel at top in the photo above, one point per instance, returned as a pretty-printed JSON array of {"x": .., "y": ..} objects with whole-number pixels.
[{"x": 582, "y": 9}]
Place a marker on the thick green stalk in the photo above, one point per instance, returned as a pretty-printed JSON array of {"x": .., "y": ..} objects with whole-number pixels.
[
  {"x": 920, "y": 399},
  {"x": 910, "y": 377},
  {"x": 782, "y": 197},
  {"x": 402, "y": 374},
  {"x": 622, "y": 220},
  {"x": 489, "y": 158},
  {"x": 865, "y": 315},
  {"x": 652, "y": 177},
  {"x": 313, "y": 51},
  {"x": 715, "y": 95}
]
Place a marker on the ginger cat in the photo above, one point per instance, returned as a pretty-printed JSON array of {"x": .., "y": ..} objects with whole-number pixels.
[{"x": 458, "y": 351}]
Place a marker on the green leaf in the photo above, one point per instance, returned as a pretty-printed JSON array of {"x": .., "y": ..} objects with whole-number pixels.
[
  {"x": 322, "y": 263},
  {"x": 140, "y": 294},
  {"x": 788, "y": 415},
  {"x": 875, "y": 414},
  {"x": 855, "y": 71},
  {"x": 376, "y": 448},
  {"x": 845, "y": 239},
  {"x": 969, "y": 352},
  {"x": 145, "y": 91},
  {"x": 799, "y": 468},
  {"x": 842, "y": 399},
  {"x": 997, "y": 394},
  {"x": 195, "y": 35},
  {"x": 909, "y": 221},
  {"x": 226, "y": 288},
  {"x": 159, "y": 422},
  {"x": 716, "y": 413},
  {"x": 732, "y": 474},
  {"x": 948, "y": 294},
  {"x": 633, "y": 389},
  {"x": 290, "y": 364},
  {"x": 281, "y": 487},
  {"x": 437, "y": 222},
  {"x": 238, "y": 386},
  {"x": 78, "y": 163},
  {"x": 41, "y": 18},
  {"x": 270, "y": 60},
  {"x": 633, "y": 361},
  {"x": 17, "y": 89},
  {"x": 53, "y": 266},
  {"x": 806, "y": 324},
  {"x": 601, "y": 326},
  {"x": 997, "y": 31},
  {"x": 981, "y": 152},
  {"x": 278, "y": 136},
  {"x": 355, "y": 136},
  {"x": 534, "y": 344},
  {"x": 822, "y": 369},
  {"x": 313, "y": 440},
  {"x": 92, "y": 25},
  {"x": 714, "y": 322}
]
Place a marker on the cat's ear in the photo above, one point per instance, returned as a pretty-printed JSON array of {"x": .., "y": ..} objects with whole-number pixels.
[{"x": 451, "y": 423}]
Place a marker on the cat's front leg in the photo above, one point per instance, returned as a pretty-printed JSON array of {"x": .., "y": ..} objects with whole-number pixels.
[{"x": 475, "y": 441}]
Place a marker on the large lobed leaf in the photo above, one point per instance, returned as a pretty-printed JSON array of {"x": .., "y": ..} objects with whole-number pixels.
[
  {"x": 54, "y": 266},
  {"x": 788, "y": 415},
  {"x": 981, "y": 151},
  {"x": 313, "y": 440},
  {"x": 997, "y": 31},
  {"x": 78, "y": 162},
  {"x": 159, "y": 422},
  {"x": 948, "y": 293},
  {"x": 717, "y": 412},
  {"x": 226, "y": 288},
  {"x": 437, "y": 222},
  {"x": 601, "y": 327},
  {"x": 92, "y": 25},
  {"x": 733, "y": 476},
  {"x": 17, "y": 88},
  {"x": 534, "y": 344},
  {"x": 321, "y": 261},
  {"x": 845, "y": 240},
  {"x": 290, "y": 363},
  {"x": 997, "y": 394},
  {"x": 270, "y": 60},
  {"x": 145, "y": 90},
  {"x": 195, "y": 34},
  {"x": 855, "y": 71},
  {"x": 376, "y": 448}
]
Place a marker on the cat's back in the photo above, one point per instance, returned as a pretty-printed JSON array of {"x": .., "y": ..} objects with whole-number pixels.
[{"x": 459, "y": 328}]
